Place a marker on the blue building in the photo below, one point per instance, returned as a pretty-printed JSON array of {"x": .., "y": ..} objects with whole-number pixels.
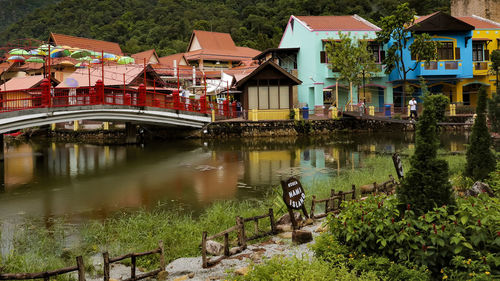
[{"x": 453, "y": 65}]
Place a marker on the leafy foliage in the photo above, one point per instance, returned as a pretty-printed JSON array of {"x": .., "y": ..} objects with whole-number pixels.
[
  {"x": 480, "y": 159},
  {"x": 426, "y": 185},
  {"x": 166, "y": 25},
  {"x": 350, "y": 58},
  {"x": 14, "y": 10},
  {"x": 455, "y": 242}
]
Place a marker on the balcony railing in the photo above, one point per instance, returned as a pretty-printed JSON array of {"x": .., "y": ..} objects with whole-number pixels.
[
  {"x": 450, "y": 67},
  {"x": 480, "y": 65}
]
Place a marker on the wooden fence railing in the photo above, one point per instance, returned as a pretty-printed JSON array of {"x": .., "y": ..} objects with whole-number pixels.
[
  {"x": 47, "y": 274},
  {"x": 133, "y": 256},
  {"x": 242, "y": 238},
  {"x": 385, "y": 187},
  {"x": 332, "y": 203}
]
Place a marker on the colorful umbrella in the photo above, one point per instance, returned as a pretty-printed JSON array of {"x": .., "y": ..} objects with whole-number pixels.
[
  {"x": 95, "y": 54},
  {"x": 80, "y": 54},
  {"x": 37, "y": 52},
  {"x": 109, "y": 57},
  {"x": 16, "y": 59},
  {"x": 59, "y": 53},
  {"x": 18, "y": 52},
  {"x": 81, "y": 65},
  {"x": 85, "y": 59},
  {"x": 66, "y": 63},
  {"x": 45, "y": 47},
  {"x": 95, "y": 61},
  {"x": 125, "y": 60},
  {"x": 35, "y": 59}
]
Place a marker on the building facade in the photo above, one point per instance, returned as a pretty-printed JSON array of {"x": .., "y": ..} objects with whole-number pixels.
[{"x": 320, "y": 85}]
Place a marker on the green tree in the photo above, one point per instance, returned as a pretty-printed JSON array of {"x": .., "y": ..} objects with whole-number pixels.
[
  {"x": 351, "y": 59},
  {"x": 494, "y": 103},
  {"x": 495, "y": 65},
  {"x": 394, "y": 30},
  {"x": 480, "y": 159},
  {"x": 426, "y": 184}
]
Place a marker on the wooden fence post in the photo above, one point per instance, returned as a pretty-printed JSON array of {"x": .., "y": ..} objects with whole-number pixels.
[
  {"x": 162, "y": 255},
  {"x": 340, "y": 198},
  {"x": 204, "y": 249},
  {"x": 353, "y": 192},
  {"x": 273, "y": 223},
  {"x": 226, "y": 244},
  {"x": 256, "y": 226},
  {"x": 313, "y": 205},
  {"x": 242, "y": 240},
  {"x": 81, "y": 268},
  {"x": 105, "y": 257},
  {"x": 132, "y": 268}
]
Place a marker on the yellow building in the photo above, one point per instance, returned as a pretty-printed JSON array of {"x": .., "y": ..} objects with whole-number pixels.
[{"x": 485, "y": 39}]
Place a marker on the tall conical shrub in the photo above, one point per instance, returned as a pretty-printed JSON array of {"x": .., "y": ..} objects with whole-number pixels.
[
  {"x": 426, "y": 184},
  {"x": 480, "y": 159}
]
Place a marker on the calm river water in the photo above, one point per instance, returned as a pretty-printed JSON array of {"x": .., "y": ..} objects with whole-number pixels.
[{"x": 81, "y": 182}]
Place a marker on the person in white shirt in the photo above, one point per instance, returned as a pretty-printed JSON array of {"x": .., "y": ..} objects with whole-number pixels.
[{"x": 413, "y": 108}]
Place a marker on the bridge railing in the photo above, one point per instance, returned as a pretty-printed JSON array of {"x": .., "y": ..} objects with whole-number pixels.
[{"x": 48, "y": 97}]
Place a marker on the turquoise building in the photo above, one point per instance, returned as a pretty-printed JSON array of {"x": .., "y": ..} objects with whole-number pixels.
[{"x": 308, "y": 35}]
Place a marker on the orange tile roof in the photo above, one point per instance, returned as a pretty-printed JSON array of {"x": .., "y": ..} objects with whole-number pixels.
[
  {"x": 169, "y": 60},
  {"x": 480, "y": 23},
  {"x": 139, "y": 57},
  {"x": 85, "y": 43},
  {"x": 340, "y": 23},
  {"x": 213, "y": 40},
  {"x": 22, "y": 83},
  {"x": 238, "y": 54}
]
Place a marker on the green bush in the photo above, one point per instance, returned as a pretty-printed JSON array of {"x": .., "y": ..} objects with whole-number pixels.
[
  {"x": 480, "y": 159},
  {"x": 435, "y": 239},
  {"x": 280, "y": 268},
  {"x": 426, "y": 184}
]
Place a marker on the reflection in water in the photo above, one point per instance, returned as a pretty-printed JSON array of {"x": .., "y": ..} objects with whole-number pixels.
[{"x": 81, "y": 182}]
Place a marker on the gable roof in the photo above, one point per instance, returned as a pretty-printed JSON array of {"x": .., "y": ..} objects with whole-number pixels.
[
  {"x": 439, "y": 22},
  {"x": 139, "y": 57},
  {"x": 22, "y": 83},
  {"x": 336, "y": 23},
  {"x": 480, "y": 22},
  {"x": 243, "y": 79},
  {"x": 212, "y": 40},
  {"x": 169, "y": 60},
  {"x": 85, "y": 43}
]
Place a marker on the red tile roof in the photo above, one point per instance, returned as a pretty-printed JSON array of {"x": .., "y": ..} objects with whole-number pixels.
[
  {"x": 422, "y": 18},
  {"x": 139, "y": 57},
  {"x": 22, "y": 83},
  {"x": 218, "y": 47},
  {"x": 213, "y": 40},
  {"x": 169, "y": 60},
  {"x": 337, "y": 23},
  {"x": 85, "y": 43},
  {"x": 480, "y": 23}
]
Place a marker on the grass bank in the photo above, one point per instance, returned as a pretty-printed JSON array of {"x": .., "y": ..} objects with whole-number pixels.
[{"x": 38, "y": 248}]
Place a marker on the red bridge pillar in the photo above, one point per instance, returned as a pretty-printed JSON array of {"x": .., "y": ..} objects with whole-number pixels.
[
  {"x": 45, "y": 92},
  {"x": 99, "y": 88},
  {"x": 142, "y": 95}
]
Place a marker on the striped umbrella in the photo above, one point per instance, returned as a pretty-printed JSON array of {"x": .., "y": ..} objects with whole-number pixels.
[
  {"x": 59, "y": 53},
  {"x": 109, "y": 57},
  {"x": 18, "y": 52},
  {"x": 37, "y": 52},
  {"x": 80, "y": 54},
  {"x": 16, "y": 59},
  {"x": 35, "y": 59},
  {"x": 125, "y": 60}
]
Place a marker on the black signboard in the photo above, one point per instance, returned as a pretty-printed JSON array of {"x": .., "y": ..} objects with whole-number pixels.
[
  {"x": 398, "y": 165},
  {"x": 294, "y": 196}
]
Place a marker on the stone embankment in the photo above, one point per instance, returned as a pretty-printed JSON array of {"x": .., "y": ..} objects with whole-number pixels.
[{"x": 271, "y": 128}]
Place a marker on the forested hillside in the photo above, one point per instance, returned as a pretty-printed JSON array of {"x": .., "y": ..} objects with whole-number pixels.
[
  {"x": 167, "y": 24},
  {"x": 14, "y": 10}
]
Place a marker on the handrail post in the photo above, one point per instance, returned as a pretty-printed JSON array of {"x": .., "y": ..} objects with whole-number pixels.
[
  {"x": 235, "y": 113},
  {"x": 204, "y": 263},
  {"x": 273, "y": 222},
  {"x": 45, "y": 92},
  {"x": 162, "y": 255},
  {"x": 99, "y": 86},
  {"x": 132, "y": 268},
  {"x": 175, "y": 96},
  {"x": 142, "y": 95},
  {"x": 203, "y": 104},
  {"x": 225, "y": 107}
]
